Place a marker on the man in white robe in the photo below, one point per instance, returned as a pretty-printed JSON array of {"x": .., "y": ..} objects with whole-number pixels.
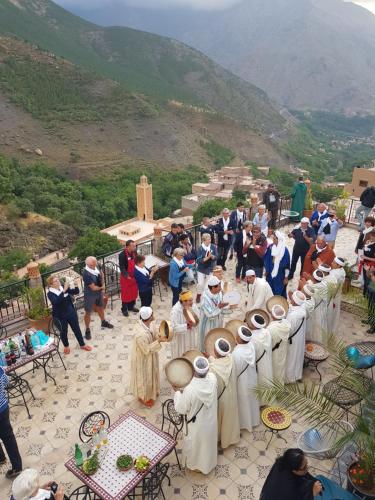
[
  {"x": 223, "y": 367},
  {"x": 310, "y": 308},
  {"x": 185, "y": 328},
  {"x": 198, "y": 401},
  {"x": 247, "y": 379},
  {"x": 212, "y": 306},
  {"x": 279, "y": 330},
  {"x": 261, "y": 338},
  {"x": 318, "y": 332},
  {"x": 296, "y": 344},
  {"x": 258, "y": 291},
  {"x": 333, "y": 318}
]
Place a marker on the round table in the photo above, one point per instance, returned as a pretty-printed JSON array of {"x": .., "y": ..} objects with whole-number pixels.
[
  {"x": 315, "y": 353},
  {"x": 276, "y": 419},
  {"x": 365, "y": 348}
]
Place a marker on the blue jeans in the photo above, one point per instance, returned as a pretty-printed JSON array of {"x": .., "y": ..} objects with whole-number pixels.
[{"x": 361, "y": 213}]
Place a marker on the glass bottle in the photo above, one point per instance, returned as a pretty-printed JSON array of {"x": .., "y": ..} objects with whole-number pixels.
[
  {"x": 96, "y": 439},
  {"x": 78, "y": 456}
]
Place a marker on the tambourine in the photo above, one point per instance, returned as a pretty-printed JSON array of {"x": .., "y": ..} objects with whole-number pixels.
[
  {"x": 190, "y": 316},
  {"x": 165, "y": 331},
  {"x": 179, "y": 372},
  {"x": 233, "y": 297}
]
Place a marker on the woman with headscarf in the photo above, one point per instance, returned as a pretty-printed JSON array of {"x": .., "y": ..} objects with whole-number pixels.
[
  {"x": 289, "y": 479},
  {"x": 277, "y": 264}
]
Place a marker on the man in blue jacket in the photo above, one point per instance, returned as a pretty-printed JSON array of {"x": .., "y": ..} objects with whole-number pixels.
[
  {"x": 318, "y": 216},
  {"x": 225, "y": 229},
  {"x": 6, "y": 432}
]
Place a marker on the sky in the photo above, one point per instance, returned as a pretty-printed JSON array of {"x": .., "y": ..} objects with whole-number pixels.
[{"x": 194, "y": 4}]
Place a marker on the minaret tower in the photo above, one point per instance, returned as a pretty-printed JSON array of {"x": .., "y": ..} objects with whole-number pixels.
[{"x": 145, "y": 208}]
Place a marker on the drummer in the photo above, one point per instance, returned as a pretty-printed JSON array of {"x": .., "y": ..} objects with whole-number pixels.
[
  {"x": 211, "y": 314},
  {"x": 145, "y": 377},
  {"x": 184, "y": 322}
]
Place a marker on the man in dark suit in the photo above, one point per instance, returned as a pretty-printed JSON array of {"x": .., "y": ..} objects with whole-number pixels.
[
  {"x": 224, "y": 230},
  {"x": 271, "y": 199}
]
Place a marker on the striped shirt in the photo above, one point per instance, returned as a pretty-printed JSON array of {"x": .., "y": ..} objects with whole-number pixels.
[{"x": 3, "y": 392}]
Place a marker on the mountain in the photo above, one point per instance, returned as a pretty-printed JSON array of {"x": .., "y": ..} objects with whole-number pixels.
[
  {"x": 158, "y": 67},
  {"x": 306, "y": 54}
]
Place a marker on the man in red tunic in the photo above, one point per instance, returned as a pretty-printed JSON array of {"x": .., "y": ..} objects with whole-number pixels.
[
  {"x": 128, "y": 284},
  {"x": 319, "y": 253}
]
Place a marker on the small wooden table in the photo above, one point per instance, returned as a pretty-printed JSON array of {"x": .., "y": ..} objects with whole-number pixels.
[
  {"x": 276, "y": 419},
  {"x": 132, "y": 435}
]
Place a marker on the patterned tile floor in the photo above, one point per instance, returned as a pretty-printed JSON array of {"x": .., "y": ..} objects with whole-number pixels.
[{"x": 100, "y": 379}]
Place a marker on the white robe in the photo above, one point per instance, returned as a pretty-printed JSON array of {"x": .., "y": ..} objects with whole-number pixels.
[
  {"x": 183, "y": 338},
  {"x": 228, "y": 420},
  {"x": 310, "y": 309},
  {"x": 333, "y": 314},
  {"x": 200, "y": 445},
  {"x": 258, "y": 294},
  {"x": 279, "y": 331},
  {"x": 296, "y": 350},
  {"x": 263, "y": 344},
  {"x": 211, "y": 316},
  {"x": 318, "y": 331},
  {"x": 247, "y": 379}
]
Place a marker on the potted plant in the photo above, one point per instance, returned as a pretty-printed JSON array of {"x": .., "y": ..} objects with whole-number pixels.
[
  {"x": 309, "y": 203},
  {"x": 38, "y": 313},
  {"x": 349, "y": 275},
  {"x": 308, "y": 401},
  {"x": 340, "y": 205}
]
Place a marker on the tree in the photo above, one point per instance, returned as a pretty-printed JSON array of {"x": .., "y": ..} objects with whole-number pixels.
[
  {"x": 210, "y": 208},
  {"x": 95, "y": 243}
]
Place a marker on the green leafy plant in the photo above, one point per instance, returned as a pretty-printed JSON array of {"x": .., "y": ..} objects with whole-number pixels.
[
  {"x": 37, "y": 308},
  {"x": 308, "y": 402},
  {"x": 124, "y": 462}
]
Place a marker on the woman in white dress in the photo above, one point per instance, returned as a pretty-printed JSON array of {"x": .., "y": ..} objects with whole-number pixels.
[{"x": 184, "y": 322}]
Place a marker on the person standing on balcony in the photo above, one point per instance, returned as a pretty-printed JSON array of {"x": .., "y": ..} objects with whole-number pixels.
[
  {"x": 254, "y": 250},
  {"x": 207, "y": 228},
  {"x": 225, "y": 230},
  {"x": 182, "y": 230},
  {"x": 318, "y": 216},
  {"x": 261, "y": 219},
  {"x": 177, "y": 272},
  {"x": 253, "y": 209},
  {"x": 238, "y": 218},
  {"x": 144, "y": 278},
  {"x": 93, "y": 294},
  {"x": 128, "y": 283},
  {"x": 319, "y": 253},
  {"x": 329, "y": 228},
  {"x": 277, "y": 264},
  {"x": 304, "y": 236},
  {"x": 171, "y": 240},
  {"x": 298, "y": 198},
  {"x": 367, "y": 200},
  {"x": 239, "y": 245},
  {"x": 369, "y": 226},
  {"x": 271, "y": 200},
  {"x": 6, "y": 432},
  {"x": 206, "y": 261}
]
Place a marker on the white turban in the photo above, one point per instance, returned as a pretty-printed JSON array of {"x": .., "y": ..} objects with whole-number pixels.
[
  {"x": 201, "y": 360},
  {"x": 325, "y": 268},
  {"x": 308, "y": 290},
  {"x": 340, "y": 261},
  {"x": 213, "y": 281},
  {"x": 298, "y": 297},
  {"x": 244, "y": 333},
  {"x": 277, "y": 252},
  {"x": 278, "y": 311},
  {"x": 145, "y": 313},
  {"x": 220, "y": 351},
  {"x": 317, "y": 276},
  {"x": 255, "y": 322}
]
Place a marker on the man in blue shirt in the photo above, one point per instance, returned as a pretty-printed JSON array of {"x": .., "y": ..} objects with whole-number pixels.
[
  {"x": 318, "y": 216},
  {"x": 6, "y": 432},
  {"x": 304, "y": 236},
  {"x": 329, "y": 228}
]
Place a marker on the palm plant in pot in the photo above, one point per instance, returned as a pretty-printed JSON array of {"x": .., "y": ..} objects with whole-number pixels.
[
  {"x": 312, "y": 404},
  {"x": 38, "y": 313},
  {"x": 309, "y": 203}
]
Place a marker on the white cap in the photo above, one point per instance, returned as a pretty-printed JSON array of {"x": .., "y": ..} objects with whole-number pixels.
[
  {"x": 201, "y": 360},
  {"x": 254, "y": 321},
  {"x": 250, "y": 272},
  {"x": 220, "y": 351},
  {"x": 244, "y": 333},
  {"x": 25, "y": 484},
  {"x": 325, "y": 268},
  {"x": 213, "y": 281},
  {"x": 278, "y": 311},
  {"x": 308, "y": 290},
  {"x": 299, "y": 298},
  {"x": 317, "y": 276},
  {"x": 145, "y": 313},
  {"x": 340, "y": 261},
  {"x": 305, "y": 219}
]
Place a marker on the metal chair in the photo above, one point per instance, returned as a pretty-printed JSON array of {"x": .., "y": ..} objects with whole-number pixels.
[
  {"x": 173, "y": 421},
  {"x": 16, "y": 389},
  {"x": 152, "y": 485},
  {"x": 92, "y": 421},
  {"x": 83, "y": 493},
  {"x": 3, "y": 332},
  {"x": 54, "y": 329}
]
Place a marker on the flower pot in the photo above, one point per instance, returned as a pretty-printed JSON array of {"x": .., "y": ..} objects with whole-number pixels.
[
  {"x": 346, "y": 286},
  {"x": 40, "y": 324},
  {"x": 360, "y": 483},
  {"x": 307, "y": 213}
]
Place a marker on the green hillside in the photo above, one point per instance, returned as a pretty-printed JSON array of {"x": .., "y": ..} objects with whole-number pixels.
[{"x": 149, "y": 64}]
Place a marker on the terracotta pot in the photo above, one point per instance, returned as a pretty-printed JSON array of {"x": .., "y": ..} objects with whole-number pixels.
[
  {"x": 346, "y": 286},
  {"x": 307, "y": 213},
  {"x": 367, "y": 488},
  {"x": 40, "y": 324}
]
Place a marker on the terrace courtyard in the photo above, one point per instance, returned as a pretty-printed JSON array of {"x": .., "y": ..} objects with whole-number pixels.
[{"x": 100, "y": 380}]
